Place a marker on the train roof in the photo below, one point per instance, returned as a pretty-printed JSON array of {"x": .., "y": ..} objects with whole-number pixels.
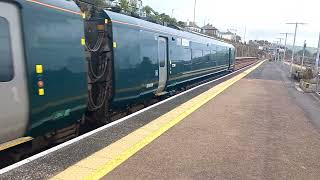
[
  {"x": 62, "y": 5},
  {"x": 139, "y": 23}
]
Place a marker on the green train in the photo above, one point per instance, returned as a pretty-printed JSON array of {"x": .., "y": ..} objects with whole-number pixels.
[{"x": 60, "y": 67}]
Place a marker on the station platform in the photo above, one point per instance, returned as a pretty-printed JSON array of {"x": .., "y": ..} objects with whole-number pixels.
[{"x": 252, "y": 124}]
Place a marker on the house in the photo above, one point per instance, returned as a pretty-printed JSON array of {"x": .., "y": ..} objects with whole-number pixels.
[
  {"x": 192, "y": 26},
  {"x": 230, "y": 36},
  {"x": 210, "y": 30}
]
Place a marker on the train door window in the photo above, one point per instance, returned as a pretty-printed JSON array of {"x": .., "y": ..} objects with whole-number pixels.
[
  {"x": 6, "y": 64},
  {"x": 162, "y": 52}
]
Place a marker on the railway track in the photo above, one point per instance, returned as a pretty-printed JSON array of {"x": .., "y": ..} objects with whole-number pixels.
[{"x": 16, "y": 154}]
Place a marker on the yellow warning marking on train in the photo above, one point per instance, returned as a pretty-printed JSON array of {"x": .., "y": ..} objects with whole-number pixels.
[
  {"x": 104, "y": 161},
  {"x": 41, "y": 92},
  {"x": 83, "y": 41},
  {"x": 39, "y": 69}
]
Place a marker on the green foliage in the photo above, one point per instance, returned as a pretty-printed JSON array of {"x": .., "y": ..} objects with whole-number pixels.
[
  {"x": 100, "y": 3},
  {"x": 181, "y": 24},
  {"x": 148, "y": 10},
  {"x": 307, "y": 53},
  {"x": 124, "y": 5},
  {"x": 314, "y": 54},
  {"x": 167, "y": 19},
  {"x": 132, "y": 6},
  {"x": 289, "y": 52},
  {"x": 307, "y": 74}
]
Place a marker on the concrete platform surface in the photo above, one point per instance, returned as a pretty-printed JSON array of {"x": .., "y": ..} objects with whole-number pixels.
[{"x": 259, "y": 128}]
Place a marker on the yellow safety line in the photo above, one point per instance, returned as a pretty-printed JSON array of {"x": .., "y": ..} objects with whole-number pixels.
[{"x": 104, "y": 161}]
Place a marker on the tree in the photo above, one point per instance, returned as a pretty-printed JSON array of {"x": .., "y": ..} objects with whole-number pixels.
[
  {"x": 314, "y": 55},
  {"x": 148, "y": 10},
  {"x": 124, "y": 5},
  {"x": 181, "y": 24},
  {"x": 133, "y": 6},
  {"x": 100, "y": 3}
]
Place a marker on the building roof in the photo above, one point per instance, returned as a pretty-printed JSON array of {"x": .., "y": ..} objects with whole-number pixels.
[
  {"x": 227, "y": 33},
  {"x": 209, "y": 27}
]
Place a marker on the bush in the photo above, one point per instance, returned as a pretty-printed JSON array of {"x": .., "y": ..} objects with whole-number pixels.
[{"x": 307, "y": 74}]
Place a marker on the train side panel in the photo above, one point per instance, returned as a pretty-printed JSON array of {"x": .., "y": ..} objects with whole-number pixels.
[
  {"x": 52, "y": 35},
  {"x": 128, "y": 68}
]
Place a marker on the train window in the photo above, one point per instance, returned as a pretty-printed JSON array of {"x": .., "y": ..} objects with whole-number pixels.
[
  {"x": 186, "y": 54},
  {"x": 196, "y": 53},
  {"x": 213, "y": 55},
  {"x": 6, "y": 64},
  {"x": 179, "y": 42},
  {"x": 185, "y": 42},
  {"x": 206, "y": 54}
]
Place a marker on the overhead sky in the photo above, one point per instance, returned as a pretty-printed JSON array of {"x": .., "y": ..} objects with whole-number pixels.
[{"x": 264, "y": 20}]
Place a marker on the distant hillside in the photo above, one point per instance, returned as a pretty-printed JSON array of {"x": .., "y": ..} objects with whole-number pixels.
[{"x": 298, "y": 48}]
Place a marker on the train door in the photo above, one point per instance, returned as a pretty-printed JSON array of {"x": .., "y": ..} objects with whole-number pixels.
[
  {"x": 163, "y": 67},
  {"x": 14, "y": 103}
]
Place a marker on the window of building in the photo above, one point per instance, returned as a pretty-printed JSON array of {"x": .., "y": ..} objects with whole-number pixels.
[{"x": 6, "y": 64}]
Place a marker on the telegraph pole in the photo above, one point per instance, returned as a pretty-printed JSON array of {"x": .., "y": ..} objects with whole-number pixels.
[
  {"x": 285, "y": 45},
  {"x": 294, "y": 43}
]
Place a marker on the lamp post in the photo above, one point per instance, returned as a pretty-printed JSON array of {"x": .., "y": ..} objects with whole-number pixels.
[{"x": 294, "y": 43}]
